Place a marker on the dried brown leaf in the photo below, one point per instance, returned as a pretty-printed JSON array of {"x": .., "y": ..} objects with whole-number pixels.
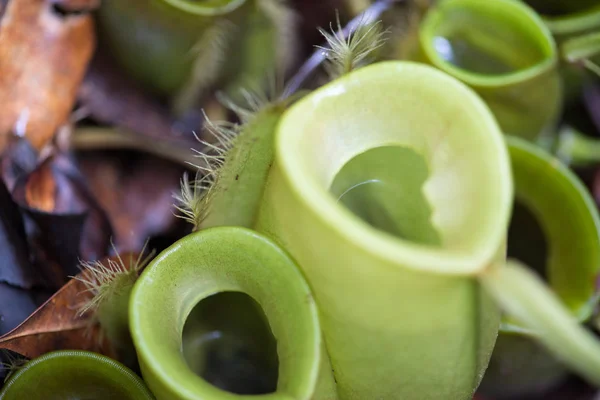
[
  {"x": 43, "y": 58},
  {"x": 40, "y": 189},
  {"x": 110, "y": 97},
  {"x": 19, "y": 159},
  {"x": 56, "y": 325},
  {"x": 136, "y": 191},
  {"x": 76, "y": 5},
  {"x": 64, "y": 220},
  {"x": 15, "y": 264}
]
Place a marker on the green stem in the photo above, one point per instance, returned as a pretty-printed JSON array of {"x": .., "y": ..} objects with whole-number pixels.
[
  {"x": 592, "y": 66},
  {"x": 526, "y": 298},
  {"x": 576, "y": 149},
  {"x": 581, "y": 47},
  {"x": 567, "y": 25}
]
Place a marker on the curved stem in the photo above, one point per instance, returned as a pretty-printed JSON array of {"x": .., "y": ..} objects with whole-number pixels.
[
  {"x": 525, "y": 297},
  {"x": 86, "y": 139}
]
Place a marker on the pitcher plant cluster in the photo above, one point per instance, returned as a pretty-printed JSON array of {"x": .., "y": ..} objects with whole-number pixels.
[{"x": 406, "y": 228}]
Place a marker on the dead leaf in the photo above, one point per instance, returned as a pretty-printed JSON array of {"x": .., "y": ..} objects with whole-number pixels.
[
  {"x": 76, "y": 6},
  {"x": 18, "y": 160},
  {"x": 43, "y": 58},
  {"x": 40, "y": 189},
  {"x": 16, "y": 305},
  {"x": 63, "y": 219},
  {"x": 15, "y": 264},
  {"x": 20, "y": 281},
  {"x": 110, "y": 97},
  {"x": 136, "y": 192},
  {"x": 50, "y": 189},
  {"x": 98, "y": 229},
  {"x": 591, "y": 100},
  {"x": 56, "y": 325}
]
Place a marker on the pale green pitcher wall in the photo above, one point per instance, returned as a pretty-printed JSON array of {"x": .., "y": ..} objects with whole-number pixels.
[{"x": 400, "y": 320}]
